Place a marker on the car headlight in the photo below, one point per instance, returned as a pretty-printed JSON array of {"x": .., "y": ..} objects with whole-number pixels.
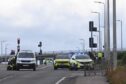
[{"x": 33, "y": 61}]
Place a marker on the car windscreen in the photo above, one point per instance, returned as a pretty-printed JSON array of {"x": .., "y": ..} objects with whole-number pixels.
[
  {"x": 62, "y": 57},
  {"x": 26, "y": 55},
  {"x": 82, "y": 57}
]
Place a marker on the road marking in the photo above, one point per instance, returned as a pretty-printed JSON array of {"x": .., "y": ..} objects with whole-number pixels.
[
  {"x": 44, "y": 67},
  {"x": 5, "y": 78},
  {"x": 63, "y": 78}
]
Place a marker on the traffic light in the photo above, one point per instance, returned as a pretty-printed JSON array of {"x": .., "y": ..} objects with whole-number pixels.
[
  {"x": 40, "y": 44},
  {"x": 95, "y": 45},
  {"x": 12, "y": 52},
  {"x": 91, "y": 26},
  {"x": 91, "y": 43},
  {"x": 18, "y": 41}
]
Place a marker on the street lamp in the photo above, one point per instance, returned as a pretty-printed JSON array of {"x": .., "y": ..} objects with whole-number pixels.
[
  {"x": 121, "y": 34},
  {"x": 2, "y": 46},
  {"x": 78, "y": 50},
  {"x": 83, "y": 44},
  {"x": 100, "y": 48},
  {"x": 6, "y": 47},
  {"x": 99, "y": 2}
]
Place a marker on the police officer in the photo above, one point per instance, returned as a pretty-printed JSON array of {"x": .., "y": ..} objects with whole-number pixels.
[{"x": 100, "y": 56}]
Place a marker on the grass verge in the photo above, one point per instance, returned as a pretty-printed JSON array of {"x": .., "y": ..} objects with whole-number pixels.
[{"x": 118, "y": 76}]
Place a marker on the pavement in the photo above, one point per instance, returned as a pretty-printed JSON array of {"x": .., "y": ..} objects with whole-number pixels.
[{"x": 91, "y": 80}]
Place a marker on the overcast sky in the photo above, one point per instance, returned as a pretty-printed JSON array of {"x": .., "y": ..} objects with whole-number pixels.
[{"x": 59, "y": 24}]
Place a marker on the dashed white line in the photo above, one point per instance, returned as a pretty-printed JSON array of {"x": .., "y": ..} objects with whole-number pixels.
[
  {"x": 63, "y": 78},
  {"x": 44, "y": 67}
]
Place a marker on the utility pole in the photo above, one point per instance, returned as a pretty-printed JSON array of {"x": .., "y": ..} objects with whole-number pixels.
[
  {"x": 2, "y": 46},
  {"x": 6, "y": 47},
  {"x": 114, "y": 37},
  {"x": 121, "y": 35},
  {"x": 107, "y": 34},
  {"x": 83, "y": 44}
]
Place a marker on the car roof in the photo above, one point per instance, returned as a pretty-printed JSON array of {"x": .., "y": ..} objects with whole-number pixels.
[{"x": 26, "y": 51}]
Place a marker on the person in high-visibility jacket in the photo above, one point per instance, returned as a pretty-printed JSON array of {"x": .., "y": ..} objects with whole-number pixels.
[{"x": 100, "y": 56}]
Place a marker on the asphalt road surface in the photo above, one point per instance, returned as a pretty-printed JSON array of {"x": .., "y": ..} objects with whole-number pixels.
[{"x": 43, "y": 75}]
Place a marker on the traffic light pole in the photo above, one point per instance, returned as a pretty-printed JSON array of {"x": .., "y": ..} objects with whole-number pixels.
[
  {"x": 18, "y": 45},
  {"x": 91, "y": 40},
  {"x": 40, "y": 45},
  {"x": 91, "y": 37}
]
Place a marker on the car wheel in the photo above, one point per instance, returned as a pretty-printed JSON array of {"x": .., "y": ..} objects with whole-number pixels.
[
  {"x": 70, "y": 68},
  {"x": 8, "y": 68},
  {"x": 76, "y": 69},
  {"x": 55, "y": 68},
  {"x": 17, "y": 68},
  {"x": 34, "y": 69}
]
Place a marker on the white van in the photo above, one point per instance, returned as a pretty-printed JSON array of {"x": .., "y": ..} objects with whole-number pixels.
[{"x": 26, "y": 60}]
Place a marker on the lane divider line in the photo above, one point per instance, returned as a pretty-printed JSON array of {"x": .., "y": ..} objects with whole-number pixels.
[
  {"x": 44, "y": 67},
  {"x": 63, "y": 78}
]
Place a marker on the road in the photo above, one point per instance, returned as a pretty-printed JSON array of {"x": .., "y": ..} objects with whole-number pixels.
[
  {"x": 43, "y": 75},
  {"x": 47, "y": 75}
]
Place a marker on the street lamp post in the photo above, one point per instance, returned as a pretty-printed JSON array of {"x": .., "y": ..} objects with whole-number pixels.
[
  {"x": 2, "y": 46},
  {"x": 83, "y": 44},
  {"x": 114, "y": 36},
  {"x": 99, "y": 2},
  {"x": 106, "y": 33},
  {"x": 78, "y": 50},
  {"x": 97, "y": 40},
  {"x": 6, "y": 47},
  {"x": 121, "y": 35},
  {"x": 100, "y": 47}
]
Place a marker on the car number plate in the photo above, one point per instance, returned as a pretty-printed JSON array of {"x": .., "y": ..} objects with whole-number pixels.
[{"x": 25, "y": 65}]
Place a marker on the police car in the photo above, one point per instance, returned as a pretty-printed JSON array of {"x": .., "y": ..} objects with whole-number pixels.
[
  {"x": 61, "y": 61},
  {"x": 79, "y": 61}
]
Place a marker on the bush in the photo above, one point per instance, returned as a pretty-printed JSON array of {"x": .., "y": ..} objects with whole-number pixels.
[
  {"x": 118, "y": 76},
  {"x": 124, "y": 59},
  {"x": 120, "y": 55}
]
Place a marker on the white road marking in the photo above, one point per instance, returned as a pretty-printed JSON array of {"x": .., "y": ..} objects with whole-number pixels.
[
  {"x": 5, "y": 78},
  {"x": 44, "y": 67},
  {"x": 63, "y": 78}
]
